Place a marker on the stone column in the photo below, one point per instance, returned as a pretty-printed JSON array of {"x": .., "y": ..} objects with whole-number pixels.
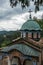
[
  {"x": 37, "y": 35},
  {"x": 42, "y": 56},
  {"x": 21, "y": 34},
  {"x": 32, "y": 34},
  {"x": 26, "y": 35},
  {"x": 6, "y": 61},
  {"x": 40, "y": 59}
]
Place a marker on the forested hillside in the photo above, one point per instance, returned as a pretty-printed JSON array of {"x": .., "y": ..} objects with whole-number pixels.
[{"x": 6, "y": 37}]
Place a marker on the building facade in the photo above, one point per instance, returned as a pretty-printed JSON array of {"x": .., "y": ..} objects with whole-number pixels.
[{"x": 26, "y": 49}]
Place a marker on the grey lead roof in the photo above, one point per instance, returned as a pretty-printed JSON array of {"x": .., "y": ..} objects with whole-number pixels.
[
  {"x": 22, "y": 48},
  {"x": 30, "y": 25}
]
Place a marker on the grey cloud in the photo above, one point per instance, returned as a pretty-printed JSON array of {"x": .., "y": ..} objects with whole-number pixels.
[
  {"x": 7, "y": 14},
  {"x": 2, "y": 2},
  {"x": 10, "y": 13},
  {"x": 6, "y": 11}
]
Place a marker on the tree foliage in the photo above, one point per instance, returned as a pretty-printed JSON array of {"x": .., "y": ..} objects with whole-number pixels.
[
  {"x": 25, "y": 3},
  {"x": 6, "y": 40}
]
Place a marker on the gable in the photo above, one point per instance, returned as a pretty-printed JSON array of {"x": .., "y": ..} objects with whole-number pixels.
[{"x": 27, "y": 42}]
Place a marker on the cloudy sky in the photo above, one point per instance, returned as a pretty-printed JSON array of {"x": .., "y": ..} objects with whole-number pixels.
[{"x": 13, "y": 18}]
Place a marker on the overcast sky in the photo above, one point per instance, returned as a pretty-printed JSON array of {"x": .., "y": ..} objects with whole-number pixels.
[{"x": 13, "y": 18}]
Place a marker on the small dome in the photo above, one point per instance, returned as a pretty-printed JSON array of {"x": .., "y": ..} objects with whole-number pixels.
[{"x": 30, "y": 25}]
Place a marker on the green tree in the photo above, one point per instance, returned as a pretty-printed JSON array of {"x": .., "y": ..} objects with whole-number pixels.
[
  {"x": 6, "y": 39},
  {"x": 25, "y": 3},
  {"x": 5, "y": 43}
]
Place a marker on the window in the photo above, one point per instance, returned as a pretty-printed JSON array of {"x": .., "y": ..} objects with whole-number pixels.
[
  {"x": 23, "y": 34},
  {"x": 30, "y": 35},
  {"x": 35, "y": 35},
  {"x": 38, "y": 35},
  {"x": 5, "y": 61},
  {"x": 15, "y": 61},
  {"x": 28, "y": 62}
]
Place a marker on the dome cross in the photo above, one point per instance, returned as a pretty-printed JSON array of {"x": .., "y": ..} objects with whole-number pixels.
[{"x": 30, "y": 13}]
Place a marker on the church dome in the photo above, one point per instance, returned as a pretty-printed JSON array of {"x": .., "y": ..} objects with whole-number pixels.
[{"x": 30, "y": 25}]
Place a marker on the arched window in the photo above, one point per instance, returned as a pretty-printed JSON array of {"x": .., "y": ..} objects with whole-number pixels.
[
  {"x": 30, "y": 35},
  {"x": 21, "y": 34},
  {"x": 24, "y": 34},
  {"x": 6, "y": 60},
  {"x": 38, "y": 35},
  {"x": 15, "y": 61},
  {"x": 28, "y": 62},
  {"x": 35, "y": 35}
]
